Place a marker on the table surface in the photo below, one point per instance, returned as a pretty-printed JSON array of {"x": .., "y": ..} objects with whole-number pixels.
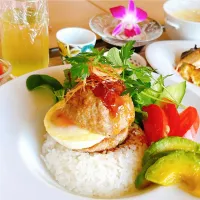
[{"x": 78, "y": 13}]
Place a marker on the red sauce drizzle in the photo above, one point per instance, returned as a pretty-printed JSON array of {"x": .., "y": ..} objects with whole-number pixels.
[{"x": 109, "y": 92}]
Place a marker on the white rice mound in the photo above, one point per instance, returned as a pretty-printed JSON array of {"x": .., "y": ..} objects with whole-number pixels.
[{"x": 109, "y": 174}]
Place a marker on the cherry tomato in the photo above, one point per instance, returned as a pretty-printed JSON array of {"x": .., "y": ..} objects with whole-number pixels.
[
  {"x": 1, "y": 69},
  {"x": 165, "y": 121},
  {"x": 189, "y": 120},
  {"x": 173, "y": 118},
  {"x": 156, "y": 124}
]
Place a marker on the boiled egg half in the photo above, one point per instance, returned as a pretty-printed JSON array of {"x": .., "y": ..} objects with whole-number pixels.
[{"x": 65, "y": 132}]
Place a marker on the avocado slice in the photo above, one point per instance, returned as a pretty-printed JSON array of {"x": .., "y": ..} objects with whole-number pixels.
[
  {"x": 140, "y": 181},
  {"x": 170, "y": 144},
  {"x": 177, "y": 167}
]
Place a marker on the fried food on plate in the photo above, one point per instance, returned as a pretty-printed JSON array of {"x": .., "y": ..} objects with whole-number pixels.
[
  {"x": 189, "y": 65},
  {"x": 89, "y": 112}
]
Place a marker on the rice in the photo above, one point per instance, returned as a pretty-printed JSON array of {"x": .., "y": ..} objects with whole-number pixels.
[{"x": 106, "y": 175}]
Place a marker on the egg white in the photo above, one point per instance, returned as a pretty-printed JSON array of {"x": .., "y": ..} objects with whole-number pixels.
[{"x": 72, "y": 136}]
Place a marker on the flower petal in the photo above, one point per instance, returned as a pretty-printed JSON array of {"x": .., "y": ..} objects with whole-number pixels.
[
  {"x": 131, "y": 6},
  {"x": 118, "y": 12},
  {"x": 140, "y": 15},
  {"x": 129, "y": 32},
  {"x": 118, "y": 29},
  {"x": 135, "y": 30}
]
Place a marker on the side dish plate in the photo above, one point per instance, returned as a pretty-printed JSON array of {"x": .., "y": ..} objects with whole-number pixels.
[{"x": 163, "y": 56}]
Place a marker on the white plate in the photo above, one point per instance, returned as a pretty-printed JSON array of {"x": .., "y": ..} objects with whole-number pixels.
[
  {"x": 23, "y": 175},
  {"x": 164, "y": 55},
  {"x": 138, "y": 60}
]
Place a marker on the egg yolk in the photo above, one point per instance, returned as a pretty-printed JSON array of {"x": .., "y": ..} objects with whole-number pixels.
[{"x": 59, "y": 118}]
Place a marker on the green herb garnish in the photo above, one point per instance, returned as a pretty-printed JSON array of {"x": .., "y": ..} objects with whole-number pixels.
[
  {"x": 139, "y": 81},
  {"x": 126, "y": 52},
  {"x": 80, "y": 66}
]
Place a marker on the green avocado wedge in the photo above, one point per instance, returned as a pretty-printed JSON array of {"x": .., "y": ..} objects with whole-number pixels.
[
  {"x": 179, "y": 167},
  {"x": 141, "y": 182},
  {"x": 170, "y": 144}
]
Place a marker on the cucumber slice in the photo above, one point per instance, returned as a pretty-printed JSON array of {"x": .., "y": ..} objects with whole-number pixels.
[
  {"x": 158, "y": 86},
  {"x": 174, "y": 92},
  {"x": 155, "y": 91},
  {"x": 46, "y": 92}
]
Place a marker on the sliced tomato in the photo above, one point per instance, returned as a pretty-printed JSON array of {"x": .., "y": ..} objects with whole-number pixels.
[
  {"x": 189, "y": 121},
  {"x": 156, "y": 124},
  {"x": 1, "y": 69},
  {"x": 173, "y": 118}
]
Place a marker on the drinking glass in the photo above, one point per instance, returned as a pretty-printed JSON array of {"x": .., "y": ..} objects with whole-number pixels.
[
  {"x": 7, "y": 68},
  {"x": 24, "y": 34}
]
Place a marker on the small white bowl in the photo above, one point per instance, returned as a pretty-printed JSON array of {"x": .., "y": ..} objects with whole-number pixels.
[
  {"x": 179, "y": 29},
  {"x": 74, "y": 40}
]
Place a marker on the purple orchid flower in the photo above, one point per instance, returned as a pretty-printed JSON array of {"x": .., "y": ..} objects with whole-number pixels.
[{"x": 130, "y": 17}]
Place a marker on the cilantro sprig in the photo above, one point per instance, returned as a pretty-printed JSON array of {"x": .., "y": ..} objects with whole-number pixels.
[
  {"x": 80, "y": 69},
  {"x": 126, "y": 52}
]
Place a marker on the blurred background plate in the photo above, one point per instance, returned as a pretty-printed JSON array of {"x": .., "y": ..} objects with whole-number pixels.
[
  {"x": 120, "y": 43},
  {"x": 163, "y": 56}
]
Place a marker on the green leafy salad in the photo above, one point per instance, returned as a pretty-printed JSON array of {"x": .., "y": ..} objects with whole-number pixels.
[{"x": 139, "y": 82}]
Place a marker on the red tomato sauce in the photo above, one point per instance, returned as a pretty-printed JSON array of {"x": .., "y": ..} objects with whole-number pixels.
[{"x": 109, "y": 92}]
